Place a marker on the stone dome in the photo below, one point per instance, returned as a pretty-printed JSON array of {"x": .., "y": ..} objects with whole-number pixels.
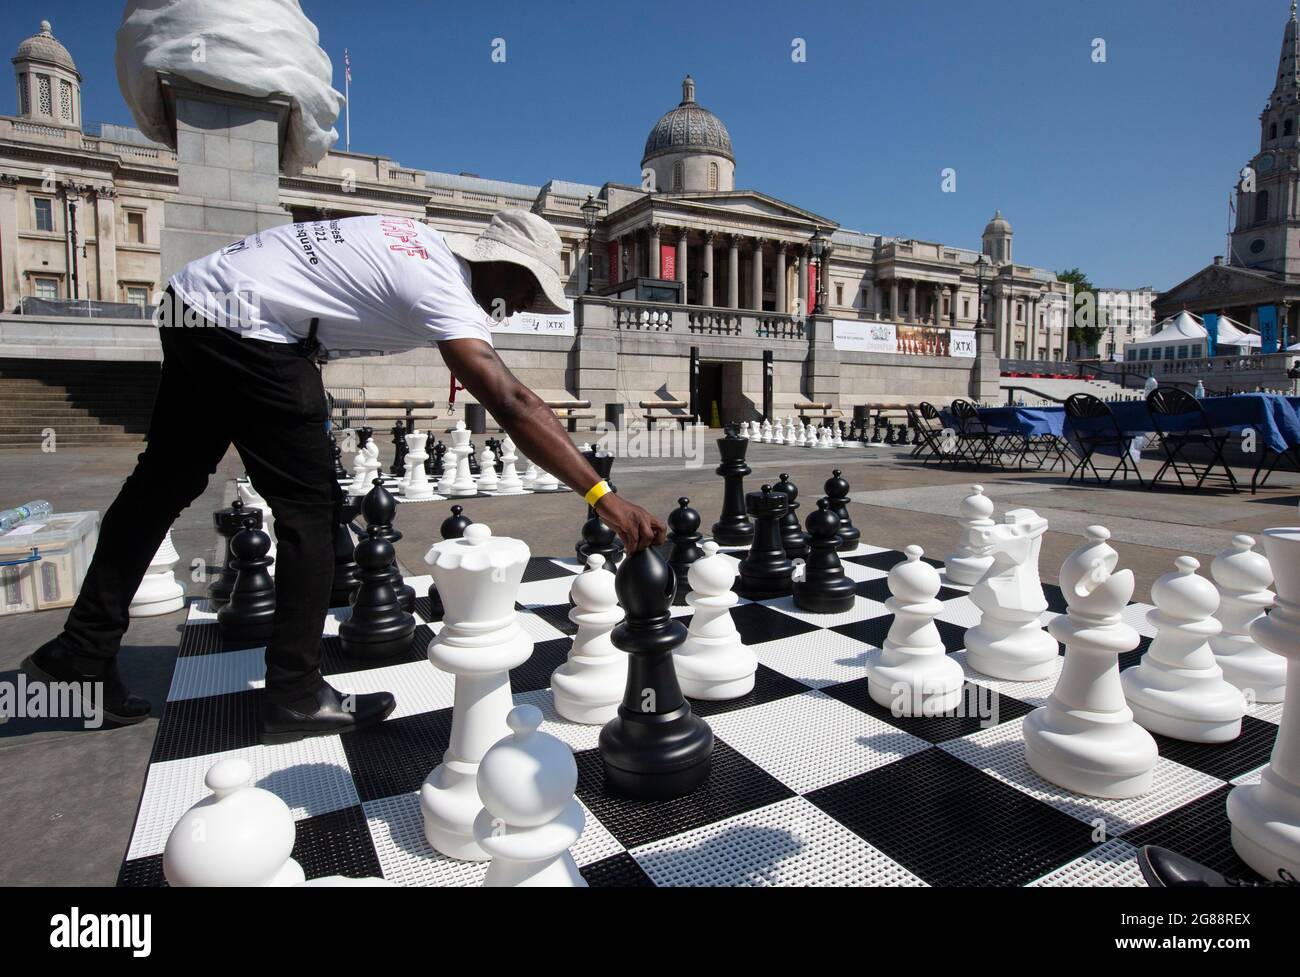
[
  {"x": 44, "y": 47},
  {"x": 688, "y": 128},
  {"x": 998, "y": 225}
]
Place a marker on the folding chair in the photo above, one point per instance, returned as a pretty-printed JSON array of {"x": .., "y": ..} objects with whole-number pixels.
[
  {"x": 927, "y": 445},
  {"x": 1195, "y": 431},
  {"x": 975, "y": 442},
  {"x": 932, "y": 441},
  {"x": 1093, "y": 427}
]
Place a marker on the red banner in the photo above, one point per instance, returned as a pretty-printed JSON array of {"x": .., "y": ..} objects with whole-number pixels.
[
  {"x": 668, "y": 262},
  {"x": 613, "y": 263},
  {"x": 812, "y": 288}
]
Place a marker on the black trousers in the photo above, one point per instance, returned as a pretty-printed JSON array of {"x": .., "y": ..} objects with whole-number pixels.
[{"x": 267, "y": 399}]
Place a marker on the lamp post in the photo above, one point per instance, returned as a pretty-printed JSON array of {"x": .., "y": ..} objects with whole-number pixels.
[
  {"x": 590, "y": 210},
  {"x": 980, "y": 264},
  {"x": 818, "y": 245}
]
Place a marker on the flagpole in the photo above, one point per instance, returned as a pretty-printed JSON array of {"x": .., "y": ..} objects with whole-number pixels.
[{"x": 347, "y": 102}]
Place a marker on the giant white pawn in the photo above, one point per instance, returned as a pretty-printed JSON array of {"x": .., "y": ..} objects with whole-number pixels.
[
  {"x": 713, "y": 663},
  {"x": 1178, "y": 689},
  {"x": 447, "y": 480},
  {"x": 778, "y": 432},
  {"x": 477, "y": 577},
  {"x": 416, "y": 485},
  {"x": 545, "y": 482},
  {"x": 588, "y": 686},
  {"x": 488, "y": 480},
  {"x": 1266, "y": 816},
  {"x": 914, "y": 675},
  {"x": 969, "y": 561},
  {"x": 509, "y": 481},
  {"x": 1008, "y": 642},
  {"x": 1084, "y": 739},
  {"x": 529, "y": 478},
  {"x": 159, "y": 592},
  {"x": 239, "y": 835},
  {"x": 1243, "y": 578},
  {"x": 530, "y": 817}
]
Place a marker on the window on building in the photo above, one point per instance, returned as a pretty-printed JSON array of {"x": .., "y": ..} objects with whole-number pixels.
[
  {"x": 24, "y": 94},
  {"x": 713, "y": 176},
  {"x": 1261, "y": 206},
  {"x": 44, "y": 213},
  {"x": 566, "y": 266},
  {"x": 1020, "y": 312},
  {"x": 1144, "y": 353},
  {"x": 43, "y": 98},
  {"x": 135, "y": 226},
  {"x": 1182, "y": 352},
  {"x": 1288, "y": 127},
  {"x": 839, "y": 294},
  {"x": 965, "y": 308},
  {"x": 138, "y": 295},
  {"x": 45, "y": 288},
  {"x": 678, "y": 178},
  {"x": 65, "y": 101}
]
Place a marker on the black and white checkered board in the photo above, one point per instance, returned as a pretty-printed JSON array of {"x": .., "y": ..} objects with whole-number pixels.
[{"x": 812, "y": 783}]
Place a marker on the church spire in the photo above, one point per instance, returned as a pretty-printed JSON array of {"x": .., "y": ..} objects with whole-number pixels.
[{"x": 1288, "y": 67}]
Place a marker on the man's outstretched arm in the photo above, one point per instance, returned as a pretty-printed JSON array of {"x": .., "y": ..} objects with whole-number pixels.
[{"x": 534, "y": 428}]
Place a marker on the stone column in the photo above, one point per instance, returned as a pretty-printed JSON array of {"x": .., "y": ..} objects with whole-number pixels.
[
  {"x": 893, "y": 300},
  {"x": 912, "y": 315},
  {"x": 595, "y": 353},
  {"x": 822, "y": 366},
  {"x": 733, "y": 271},
  {"x": 782, "y": 307},
  {"x": 804, "y": 304},
  {"x": 706, "y": 292},
  {"x": 653, "y": 232},
  {"x": 757, "y": 269},
  {"x": 985, "y": 371},
  {"x": 10, "y": 283},
  {"x": 824, "y": 281},
  {"x": 877, "y": 298},
  {"x": 682, "y": 247},
  {"x": 938, "y": 304},
  {"x": 952, "y": 306},
  {"x": 106, "y": 244},
  {"x": 228, "y": 170}
]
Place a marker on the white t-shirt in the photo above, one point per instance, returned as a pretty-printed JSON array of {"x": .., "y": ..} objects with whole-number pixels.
[{"x": 376, "y": 284}]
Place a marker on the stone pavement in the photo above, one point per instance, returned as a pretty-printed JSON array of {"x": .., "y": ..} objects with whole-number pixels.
[{"x": 71, "y": 794}]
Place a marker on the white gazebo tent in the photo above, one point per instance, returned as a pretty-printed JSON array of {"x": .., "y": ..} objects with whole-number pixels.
[{"x": 1183, "y": 336}]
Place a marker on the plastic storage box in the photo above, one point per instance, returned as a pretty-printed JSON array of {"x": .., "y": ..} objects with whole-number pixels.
[{"x": 65, "y": 542}]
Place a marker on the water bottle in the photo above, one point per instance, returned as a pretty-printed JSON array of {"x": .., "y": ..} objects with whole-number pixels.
[{"x": 10, "y": 518}]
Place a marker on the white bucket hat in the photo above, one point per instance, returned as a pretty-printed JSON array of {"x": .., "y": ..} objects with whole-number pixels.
[{"x": 521, "y": 238}]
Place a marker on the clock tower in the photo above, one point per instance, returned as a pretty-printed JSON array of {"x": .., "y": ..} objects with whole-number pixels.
[{"x": 1267, "y": 234}]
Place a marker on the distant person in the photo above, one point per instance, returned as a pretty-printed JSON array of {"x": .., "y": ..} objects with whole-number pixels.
[{"x": 274, "y": 305}]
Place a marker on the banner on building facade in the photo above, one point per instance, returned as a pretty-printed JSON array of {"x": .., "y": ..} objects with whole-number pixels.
[
  {"x": 668, "y": 262},
  {"x": 613, "y": 276},
  {"x": 1267, "y": 329},
  {"x": 1211, "y": 322},
  {"x": 539, "y": 325},
  {"x": 856, "y": 336}
]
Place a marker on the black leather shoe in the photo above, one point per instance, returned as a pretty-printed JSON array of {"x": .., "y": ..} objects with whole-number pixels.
[
  {"x": 333, "y": 713},
  {"x": 53, "y": 662},
  {"x": 1164, "y": 869}
]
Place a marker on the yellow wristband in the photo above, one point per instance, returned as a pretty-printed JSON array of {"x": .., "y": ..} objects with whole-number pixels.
[{"x": 598, "y": 492}]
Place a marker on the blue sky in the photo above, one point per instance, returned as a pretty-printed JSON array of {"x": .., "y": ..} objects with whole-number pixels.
[{"x": 1123, "y": 168}]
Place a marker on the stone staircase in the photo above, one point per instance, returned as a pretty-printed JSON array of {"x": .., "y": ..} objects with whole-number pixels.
[
  {"x": 1061, "y": 389},
  {"x": 84, "y": 402}
]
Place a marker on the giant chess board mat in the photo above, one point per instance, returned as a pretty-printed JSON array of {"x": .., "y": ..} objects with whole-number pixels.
[{"x": 812, "y": 782}]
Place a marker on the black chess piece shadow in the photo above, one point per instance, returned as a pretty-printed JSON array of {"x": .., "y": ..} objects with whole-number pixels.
[{"x": 743, "y": 854}]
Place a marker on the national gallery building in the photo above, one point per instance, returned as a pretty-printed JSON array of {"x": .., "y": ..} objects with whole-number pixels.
[{"x": 683, "y": 267}]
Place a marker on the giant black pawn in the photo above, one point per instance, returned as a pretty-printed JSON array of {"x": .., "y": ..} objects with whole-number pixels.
[
  {"x": 837, "y": 491},
  {"x": 733, "y": 527},
  {"x": 379, "y": 507},
  {"x": 793, "y": 538},
  {"x": 597, "y": 537},
  {"x": 347, "y": 575},
  {"x": 250, "y": 613},
  {"x": 228, "y": 522},
  {"x": 655, "y": 748},
  {"x": 684, "y": 535},
  {"x": 454, "y": 526},
  {"x": 824, "y": 589},
  {"x": 766, "y": 571},
  {"x": 378, "y": 628}
]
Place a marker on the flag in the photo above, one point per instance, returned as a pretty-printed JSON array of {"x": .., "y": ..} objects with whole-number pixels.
[{"x": 347, "y": 66}]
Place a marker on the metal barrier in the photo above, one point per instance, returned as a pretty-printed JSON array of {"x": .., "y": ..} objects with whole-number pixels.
[{"x": 344, "y": 402}]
